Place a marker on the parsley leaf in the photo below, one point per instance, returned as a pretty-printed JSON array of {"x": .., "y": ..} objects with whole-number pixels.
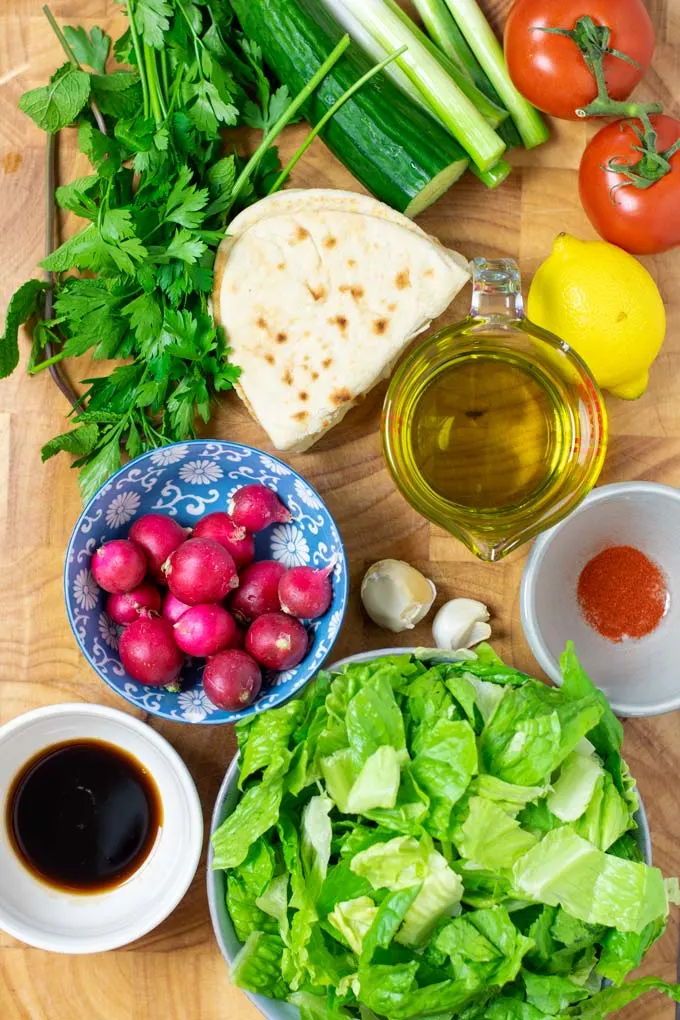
[
  {"x": 186, "y": 202},
  {"x": 90, "y": 48},
  {"x": 152, "y": 19},
  {"x": 57, "y": 105}
]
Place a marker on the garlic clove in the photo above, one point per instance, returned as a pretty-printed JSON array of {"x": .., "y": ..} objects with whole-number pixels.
[
  {"x": 396, "y": 595},
  {"x": 461, "y": 623}
]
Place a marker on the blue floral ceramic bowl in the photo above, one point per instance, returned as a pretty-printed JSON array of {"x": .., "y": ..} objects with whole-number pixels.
[{"x": 186, "y": 481}]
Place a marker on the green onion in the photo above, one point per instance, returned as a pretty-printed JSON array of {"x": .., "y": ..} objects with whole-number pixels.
[
  {"x": 488, "y": 51},
  {"x": 443, "y": 96},
  {"x": 495, "y": 176}
]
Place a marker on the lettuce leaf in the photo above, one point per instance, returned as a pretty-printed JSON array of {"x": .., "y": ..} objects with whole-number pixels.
[
  {"x": 443, "y": 767},
  {"x": 377, "y": 785},
  {"x": 490, "y": 837},
  {"x": 255, "y": 814},
  {"x": 257, "y": 966},
  {"x": 373, "y": 719},
  {"x": 352, "y": 919},
  {"x": 268, "y": 740}
]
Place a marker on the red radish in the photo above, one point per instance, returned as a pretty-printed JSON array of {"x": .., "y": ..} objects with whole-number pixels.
[
  {"x": 277, "y": 641},
  {"x": 200, "y": 570},
  {"x": 232, "y": 679},
  {"x": 305, "y": 592},
  {"x": 141, "y": 601},
  {"x": 254, "y": 507},
  {"x": 206, "y": 629},
  {"x": 158, "y": 536},
  {"x": 173, "y": 609},
  {"x": 118, "y": 566},
  {"x": 258, "y": 590},
  {"x": 235, "y": 539},
  {"x": 149, "y": 653}
]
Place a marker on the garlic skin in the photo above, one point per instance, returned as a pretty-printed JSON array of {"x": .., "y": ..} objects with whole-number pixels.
[
  {"x": 461, "y": 623},
  {"x": 396, "y": 596}
]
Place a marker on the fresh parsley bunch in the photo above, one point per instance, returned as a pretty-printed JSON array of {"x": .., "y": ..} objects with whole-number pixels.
[{"x": 156, "y": 205}]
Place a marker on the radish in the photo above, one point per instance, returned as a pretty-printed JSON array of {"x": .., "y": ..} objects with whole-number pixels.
[
  {"x": 305, "y": 592},
  {"x": 232, "y": 679},
  {"x": 254, "y": 507},
  {"x": 158, "y": 536},
  {"x": 234, "y": 538},
  {"x": 258, "y": 590},
  {"x": 205, "y": 629},
  {"x": 173, "y": 609},
  {"x": 148, "y": 652},
  {"x": 119, "y": 566},
  {"x": 141, "y": 601},
  {"x": 200, "y": 570},
  {"x": 277, "y": 641}
]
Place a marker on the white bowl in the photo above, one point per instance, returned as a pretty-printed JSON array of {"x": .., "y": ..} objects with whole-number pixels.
[
  {"x": 228, "y": 797},
  {"x": 640, "y": 677},
  {"x": 65, "y": 922}
]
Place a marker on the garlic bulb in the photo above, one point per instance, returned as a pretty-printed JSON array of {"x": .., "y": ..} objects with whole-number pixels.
[
  {"x": 461, "y": 623},
  {"x": 396, "y": 595}
]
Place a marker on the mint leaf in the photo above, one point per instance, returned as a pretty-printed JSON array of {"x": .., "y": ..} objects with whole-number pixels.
[
  {"x": 55, "y": 106},
  {"x": 105, "y": 462},
  {"x": 118, "y": 94},
  {"x": 75, "y": 197},
  {"x": 91, "y": 48},
  {"x": 152, "y": 20},
  {"x": 221, "y": 180},
  {"x": 80, "y": 441},
  {"x": 23, "y": 306}
]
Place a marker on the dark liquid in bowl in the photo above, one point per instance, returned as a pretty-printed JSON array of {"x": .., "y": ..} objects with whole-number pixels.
[{"x": 83, "y": 815}]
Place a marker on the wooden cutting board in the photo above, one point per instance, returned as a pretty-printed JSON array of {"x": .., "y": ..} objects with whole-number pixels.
[{"x": 177, "y": 973}]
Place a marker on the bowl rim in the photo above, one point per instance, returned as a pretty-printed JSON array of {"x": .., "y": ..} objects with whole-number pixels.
[
  {"x": 231, "y": 775},
  {"x": 532, "y": 567},
  {"x": 187, "y": 868},
  {"x": 121, "y": 691}
]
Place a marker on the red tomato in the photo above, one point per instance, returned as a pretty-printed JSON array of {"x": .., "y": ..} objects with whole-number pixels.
[
  {"x": 644, "y": 221},
  {"x": 549, "y": 70}
]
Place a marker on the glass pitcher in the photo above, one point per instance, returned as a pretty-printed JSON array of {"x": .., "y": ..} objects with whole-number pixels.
[{"x": 494, "y": 428}]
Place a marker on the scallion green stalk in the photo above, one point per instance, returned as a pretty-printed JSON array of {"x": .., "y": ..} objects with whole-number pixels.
[
  {"x": 486, "y": 47},
  {"x": 495, "y": 176},
  {"x": 446, "y": 100}
]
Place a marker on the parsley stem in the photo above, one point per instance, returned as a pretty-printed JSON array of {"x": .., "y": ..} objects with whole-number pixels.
[
  {"x": 285, "y": 117},
  {"x": 157, "y": 104},
  {"x": 74, "y": 61},
  {"x": 285, "y": 173},
  {"x": 134, "y": 35}
]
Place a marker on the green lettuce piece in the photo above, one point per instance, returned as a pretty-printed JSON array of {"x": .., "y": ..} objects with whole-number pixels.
[
  {"x": 607, "y": 735},
  {"x": 315, "y": 845},
  {"x": 268, "y": 740},
  {"x": 382, "y": 987},
  {"x": 317, "y": 1007},
  {"x": 398, "y": 864},
  {"x": 257, "y": 966},
  {"x": 488, "y": 696},
  {"x": 574, "y": 787},
  {"x": 341, "y": 884},
  {"x": 551, "y": 993},
  {"x": 377, "y": 785},
  {"x": 443, "y": 768},
  {"x": 409, "y": 814},
  {"x": 274, "y": 902},
  {"x": 244, "y": 885},
  {"x": 607, "y": 816},
  {"x": 533, "y": 730},
  {"x": 513, "y": 1009},
  {"x": 387, "y": 921},
  {"x": 361, "y": 837},
  {"x": 591, "y": 885},
  {"x": 623, "y": 951},
  {"x": 464, "y": 693},
  {"x": 255, "y": 814},
  {"x": 373, "y": 719},
  {"x": 439, "y": 897},
  {"x": 538, "y": 818},
  {"x": 484, "y": 944},
  {"x": 509, "y": 796},
  {"x": 339, "y": 775},
  {"x": 491, "y": 838},
  {"x": 333, "y": 734},
  {"x": 481, "y": 888},
  {"x": 353, "y": 918},
  {"x": 610, "y": 1000}
]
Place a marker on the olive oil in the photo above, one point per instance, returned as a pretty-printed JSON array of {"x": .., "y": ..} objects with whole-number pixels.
[{"x": 488, "y": 431}]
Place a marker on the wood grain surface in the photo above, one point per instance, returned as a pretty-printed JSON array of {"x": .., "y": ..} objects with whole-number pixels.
[{"x": 177, "y": 973}]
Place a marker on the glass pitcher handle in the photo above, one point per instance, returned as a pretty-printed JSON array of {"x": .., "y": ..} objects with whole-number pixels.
[{"x": 496, "y": 289}]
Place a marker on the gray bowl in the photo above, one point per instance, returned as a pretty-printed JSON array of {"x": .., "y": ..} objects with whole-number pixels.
[{"x": 216, "y": 880}]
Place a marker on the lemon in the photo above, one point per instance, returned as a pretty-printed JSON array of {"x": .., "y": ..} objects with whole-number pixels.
[{"x": 606, "y": 306}]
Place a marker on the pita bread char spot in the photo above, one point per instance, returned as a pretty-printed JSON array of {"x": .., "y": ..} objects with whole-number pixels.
[
  {"x": 403, "y": 279},
  {"x": 326, "y": 301},
  {"x": 330, "y": 242},
  {"x": 262, "y": 323}
]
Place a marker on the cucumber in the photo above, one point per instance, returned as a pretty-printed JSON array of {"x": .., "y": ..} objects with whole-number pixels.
[{"x": 393, "y": 147}]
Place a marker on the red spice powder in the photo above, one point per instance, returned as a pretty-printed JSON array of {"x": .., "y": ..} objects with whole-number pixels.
[{"x": 622, "y": 593}]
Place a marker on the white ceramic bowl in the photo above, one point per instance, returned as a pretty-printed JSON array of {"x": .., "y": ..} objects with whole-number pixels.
[
  {"x": 226, "y": 802},
  {"x": 640, "y": 677},
  {"x": 64, "y": 922}
]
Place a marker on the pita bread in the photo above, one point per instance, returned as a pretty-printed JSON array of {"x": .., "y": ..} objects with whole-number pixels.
[{"x": 319, "y": 303}]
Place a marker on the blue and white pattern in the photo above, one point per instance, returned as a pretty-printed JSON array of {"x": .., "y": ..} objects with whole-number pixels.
[{"x": 185, "y": 481}]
